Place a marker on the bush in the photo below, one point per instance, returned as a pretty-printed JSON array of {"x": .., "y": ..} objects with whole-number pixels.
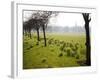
[
  {"x": 44, "y": 60},
  {"x": 26, "y": 42},
  {"x": 77, "y": 46},
  {"x": 67, "y": 44},
  {"x": 74, "y": 49},
  {"x": 31, "y": 46},
  {"x": 68, "y": 51},
  {"x": 28, "y": 48},
  {"x": 58, "y": 44},
  {"x": 61, "y": 54},
  {"x": 63, "y": 46},
  {"x": 49, "y": 42},
  {"x": 77, "y": 56},
  {"x": 37, "y": 43},
  {"x": 56, "y": 41},
  {"x": 73, "y": 53},
  {"x": 71, "y": 45},
  {"x": 65, "y": 50}
]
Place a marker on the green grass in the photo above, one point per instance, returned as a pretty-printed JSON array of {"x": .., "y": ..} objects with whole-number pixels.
[{"x": 62, "y": 50}]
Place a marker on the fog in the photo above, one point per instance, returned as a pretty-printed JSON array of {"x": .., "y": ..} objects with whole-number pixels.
[{"x": 62, "y": 23}]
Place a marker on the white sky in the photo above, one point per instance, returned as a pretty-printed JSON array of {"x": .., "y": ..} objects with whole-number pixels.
[
  {"x": 62, "y": 19},
  {"x": 67, "y": 19}
]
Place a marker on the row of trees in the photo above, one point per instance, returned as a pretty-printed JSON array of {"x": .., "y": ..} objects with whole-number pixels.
[{"x": 40, "y": 19}]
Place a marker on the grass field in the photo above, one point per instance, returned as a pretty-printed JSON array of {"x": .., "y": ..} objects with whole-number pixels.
[{"x": 62, "y": 50}]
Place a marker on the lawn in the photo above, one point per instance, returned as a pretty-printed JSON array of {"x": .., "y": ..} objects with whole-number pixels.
[{"x": 62, "y": 50}]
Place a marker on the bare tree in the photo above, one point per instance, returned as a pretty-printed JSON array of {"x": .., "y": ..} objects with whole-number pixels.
[
  {"x": 45, "y": 18},
  {"x": 27, "y": 27},
  {"x": 87, "y": 19},
  {"x": 46, "y": 15},
  {"x": 41, "y": 19}
]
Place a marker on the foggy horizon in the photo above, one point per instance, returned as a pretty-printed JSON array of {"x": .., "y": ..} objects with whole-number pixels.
[{"x": 62, "y": 19}]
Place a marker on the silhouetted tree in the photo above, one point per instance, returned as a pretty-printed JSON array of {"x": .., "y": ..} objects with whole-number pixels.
[
  {"x": 46, "y": 15},
  {"x": 27, "y": 27},
  {"x": 87, "y": 19},
  {"x": 36, "y": 24},
  {"x": 41, "y": 19},
  {"x": 24, "y": 28}
]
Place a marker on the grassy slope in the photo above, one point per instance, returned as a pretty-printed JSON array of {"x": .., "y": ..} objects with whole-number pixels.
[{"x": 38, "y": 56}]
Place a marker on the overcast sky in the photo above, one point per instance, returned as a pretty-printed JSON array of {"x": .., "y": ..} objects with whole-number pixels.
[
  {"x": 62, "y": 19},
  {"x": 67, "y": 19}
]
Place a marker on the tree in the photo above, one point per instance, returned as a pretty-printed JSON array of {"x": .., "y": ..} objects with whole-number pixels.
[
  {"x": 45, "y": 18},
  {"x": 46, "y": 15},
  {"x": 38, "y": 19},
  {"x": 27, "y": 27},
  {"x": 87, "y": 19},
  {"x": 41, "y": 19},
  {"x": 36, "y": 26},
  {"x": 24, "y": 28}
]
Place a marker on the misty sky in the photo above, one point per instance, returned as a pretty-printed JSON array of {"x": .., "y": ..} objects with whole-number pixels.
[
  {"x": 62, "y": 19},
  {"x": 67, "y": 19}
]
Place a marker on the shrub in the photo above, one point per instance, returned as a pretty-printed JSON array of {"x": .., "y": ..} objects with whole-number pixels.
[
  {"x": 61, "y": 42},
  {"x": 28, "y": 48},
  {"x": 70, "y": 45},
  {"x": 43, "y": 60},
  {"x": 61, "y": 54},
  {"x": 77, "y": 46},
  {"x": 73, "y": 53},
  {"x": 56, "y": 41},
  {"x": 25, "y": 42},
  {"x": 68, "y": 51},
  {"x": 31, "y": 46},
  {"x": 37, "y": 43},
  {"x": 67, "y": 44},
  {"x": 65, "y": 50},
  {"x": 49, "y": 41},
  {"x": 63, "y": 46},
  {"x": 74, "y": 49},
  {"x": 77, "y": 56},
  {"x": 58, "y": 44}
]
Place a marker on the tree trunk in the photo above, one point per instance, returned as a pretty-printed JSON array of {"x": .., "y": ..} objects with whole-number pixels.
[
  {"x": 44, "y": 36},
  {"x": 38, "y": 37},
  {"x": 29, "y": 34},
  {"x": 88, "y": 46},
  {"x": 87, "y": 19}
]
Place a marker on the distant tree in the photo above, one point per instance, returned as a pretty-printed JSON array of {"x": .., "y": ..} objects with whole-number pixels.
[
  {"x": 27, "y": 27},
  {"x": 24, "y": 28},
  {"x": 39, "y": 19},
  {"x": 36, "y": 26},
  {"x": 87, "y": 19}
]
